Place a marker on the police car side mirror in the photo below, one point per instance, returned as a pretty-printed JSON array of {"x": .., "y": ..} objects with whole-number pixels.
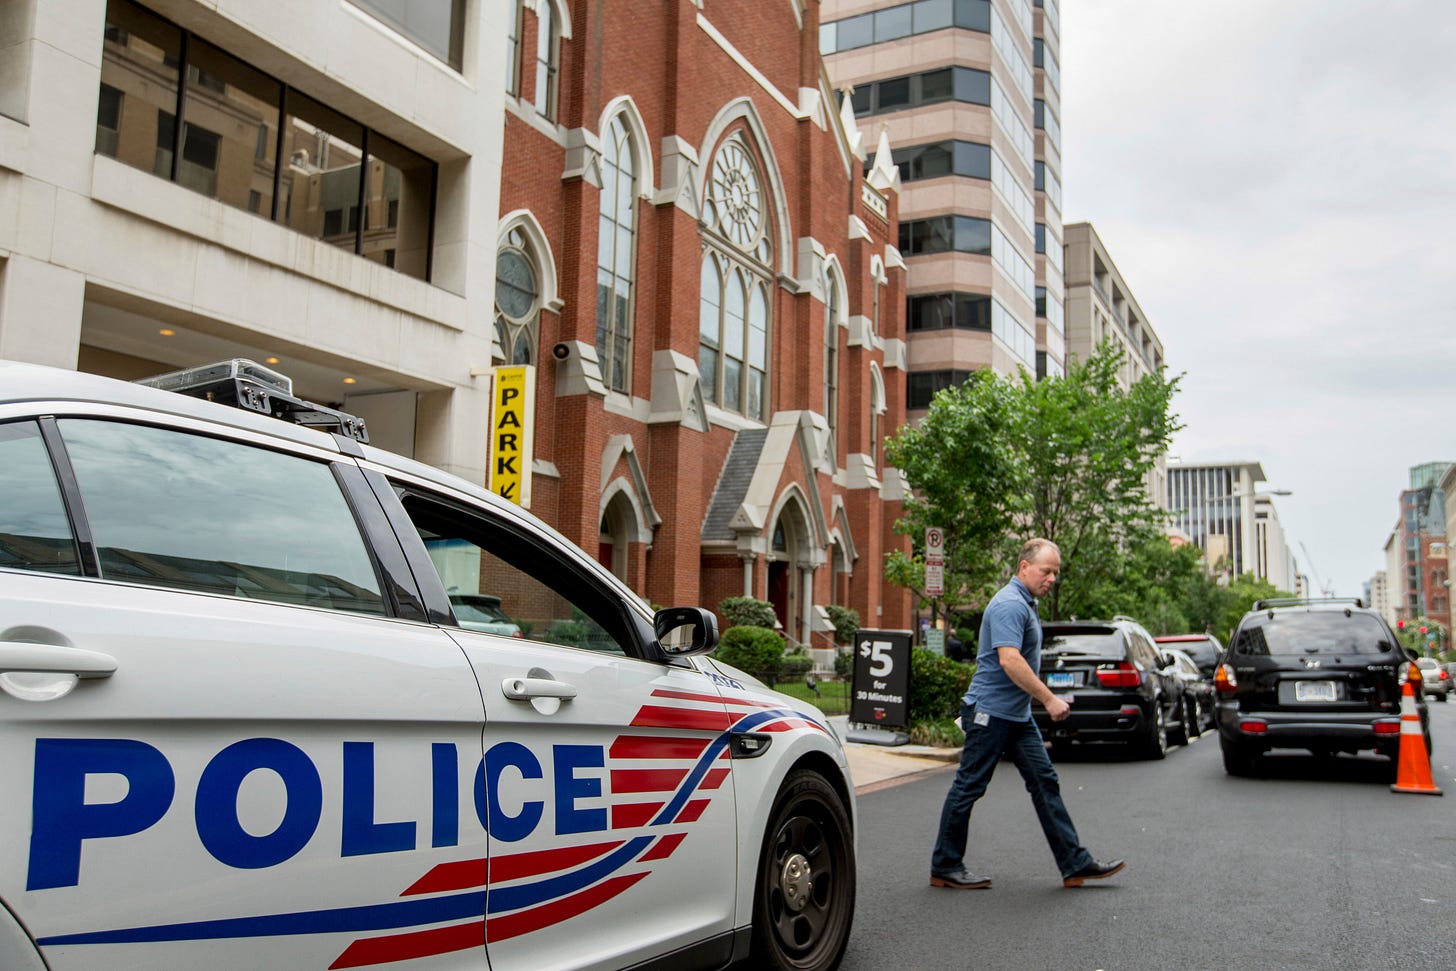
[{"x": 685, "y": 631}]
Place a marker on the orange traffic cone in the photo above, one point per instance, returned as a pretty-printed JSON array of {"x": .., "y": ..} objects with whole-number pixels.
[{"x": 1413, "y": 774}]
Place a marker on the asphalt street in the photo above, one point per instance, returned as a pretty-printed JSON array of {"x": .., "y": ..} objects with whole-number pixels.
[{"x": 1316, "y": 865}]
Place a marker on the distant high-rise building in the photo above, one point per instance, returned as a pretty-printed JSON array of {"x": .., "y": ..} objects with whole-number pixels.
[
  {"x": 1419, "y": 589},
  {"x": 1100, "y": 307},
  {"x": 969, "y": 93},
  {"x": 1218, "y": 505}
]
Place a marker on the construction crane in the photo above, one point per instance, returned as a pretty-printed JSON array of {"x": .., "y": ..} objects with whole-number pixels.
[{"x": 1328, "y": 589}]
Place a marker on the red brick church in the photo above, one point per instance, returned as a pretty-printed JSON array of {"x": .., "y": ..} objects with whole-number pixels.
[{"x": 703, "y": 280}]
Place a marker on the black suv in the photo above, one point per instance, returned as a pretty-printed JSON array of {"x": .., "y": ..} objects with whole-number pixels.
[
  {"x": 1122, "y": 687},
  {"x": 1322, "y": 675}
]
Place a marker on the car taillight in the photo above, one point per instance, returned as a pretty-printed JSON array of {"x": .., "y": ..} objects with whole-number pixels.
[
  {"x": 1445, "y": 675},
  {"x": 1120, "y": 675},
  {"x": 1254, "y": 727},
  {"x": 1224, "y": 681},
  {"x": 518, "y": 634},
  {"x": 1389, "y": 727}
]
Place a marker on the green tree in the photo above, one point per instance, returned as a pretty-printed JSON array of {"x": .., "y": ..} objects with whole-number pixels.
[
  {"x": 965, "y": 464},
  {"x": 1244, "y": 590},
  {"x": 997, "y": 460},
  {"x": 1090, "y": 445}
]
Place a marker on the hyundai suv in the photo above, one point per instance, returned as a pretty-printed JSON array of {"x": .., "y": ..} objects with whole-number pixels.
[
  {"x": 1322, "y": 675},
  {"x": 1121, "y": 687}
]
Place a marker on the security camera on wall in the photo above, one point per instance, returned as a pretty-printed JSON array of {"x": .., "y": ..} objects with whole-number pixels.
[{"x": 561, "y": 351}]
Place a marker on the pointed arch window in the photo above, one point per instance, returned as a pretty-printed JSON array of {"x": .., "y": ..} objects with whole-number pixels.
[
  {"x": 877, "y": 408},
  {"x": 514, "y": 52},
  {"x": 548, "y": 59},
  {"x": 734, "y": 315},
  {"x": 616, "y": 256},
  {"x": 831, "y": 360},
  {"x": 517, "y": 299}
]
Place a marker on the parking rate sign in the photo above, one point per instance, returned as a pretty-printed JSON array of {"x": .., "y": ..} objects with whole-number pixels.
[{"x": 881, "y": 678}]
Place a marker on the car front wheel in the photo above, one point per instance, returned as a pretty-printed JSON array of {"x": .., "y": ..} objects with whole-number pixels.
[{"x": 804, "y": 899}]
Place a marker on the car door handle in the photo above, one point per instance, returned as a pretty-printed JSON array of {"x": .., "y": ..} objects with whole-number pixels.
[
  {"x": 525, "y": 689},
  {"x": 48, "y": 658}
]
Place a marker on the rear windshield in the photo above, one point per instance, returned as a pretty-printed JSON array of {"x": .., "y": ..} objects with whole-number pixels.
[
  {"x": 1312, "y": 633},
  {"x": 1088, "y": 642},
  {"x": 1204, "y": 650}
]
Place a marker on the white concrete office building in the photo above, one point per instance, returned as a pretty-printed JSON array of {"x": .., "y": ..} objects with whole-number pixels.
[
  {"x": 1219, "y": 506},
  {"x": 311, "y": 184}
]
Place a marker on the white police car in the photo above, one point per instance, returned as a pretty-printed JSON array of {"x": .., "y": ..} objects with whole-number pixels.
[{"x": 240, "y": 726}]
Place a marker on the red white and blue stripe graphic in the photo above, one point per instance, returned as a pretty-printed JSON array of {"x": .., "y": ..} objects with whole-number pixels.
[{"x": 658, "y": 782}]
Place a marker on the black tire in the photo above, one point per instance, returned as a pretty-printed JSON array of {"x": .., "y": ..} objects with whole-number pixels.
[
  {"x": 1237, "y": 760},
  {"x": 1155, "y": 745},
  {"x": 1179, "y": 733},
  {"x": 807, "y": 862},
  {"x": 1192, "y": 718}
]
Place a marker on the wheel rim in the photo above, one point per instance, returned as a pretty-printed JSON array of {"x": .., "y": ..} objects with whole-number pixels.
[
  {"x": 1160, "y": 731},
  {"x": 801, "y": 872}
]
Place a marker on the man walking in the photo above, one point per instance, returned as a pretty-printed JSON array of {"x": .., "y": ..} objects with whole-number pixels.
[{"x": 996, "y": 716}]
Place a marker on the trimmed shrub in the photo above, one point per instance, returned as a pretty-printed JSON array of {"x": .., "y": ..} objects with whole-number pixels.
[
  {"x": 752, "y": 650},
  {"x": 844, "y": 664},
  {"x": 936, "y": 685},
  {"x": 845, "y": 621},
  {"x": 748, "y": 612},
  {"x": 795, "y": 665},
  {"x": 942, "y": 733}
]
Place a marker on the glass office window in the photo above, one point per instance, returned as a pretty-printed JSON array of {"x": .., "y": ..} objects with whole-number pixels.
[
  {"x": 436, "y": 25},
  {"x": 397, "y": 207},
  {"x": 141, "y": 69},
  {"x": 320, "y": 189},
  {"x": 230, "y": 129}
]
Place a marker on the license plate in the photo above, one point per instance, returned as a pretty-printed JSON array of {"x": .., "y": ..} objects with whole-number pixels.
[
  {"x": 1314, "y": 691},
  {"x": 1060, "y": 679}
]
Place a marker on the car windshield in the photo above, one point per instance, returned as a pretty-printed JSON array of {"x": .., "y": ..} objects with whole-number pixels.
[
  {"x": 1427, "y": 664},
  {"x": 1312, "y": 633},
  {"x": 1084, "y": 642}
]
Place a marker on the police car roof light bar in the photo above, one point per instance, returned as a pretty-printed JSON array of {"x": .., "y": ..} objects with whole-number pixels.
[{"x": 247, "y": 384}]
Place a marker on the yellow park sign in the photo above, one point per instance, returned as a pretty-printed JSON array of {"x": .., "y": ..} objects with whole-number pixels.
[{"x": 512, "y": 414}]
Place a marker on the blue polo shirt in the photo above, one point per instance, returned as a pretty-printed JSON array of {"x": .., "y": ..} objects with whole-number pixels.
[{"x": 1010, "y": 621}]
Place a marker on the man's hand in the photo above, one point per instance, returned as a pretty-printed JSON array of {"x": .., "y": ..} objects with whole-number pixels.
[{"x": 1057, "y": 708}]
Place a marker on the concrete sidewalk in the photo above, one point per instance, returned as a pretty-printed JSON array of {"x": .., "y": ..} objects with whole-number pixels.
[{"x": 873, "y": 767}]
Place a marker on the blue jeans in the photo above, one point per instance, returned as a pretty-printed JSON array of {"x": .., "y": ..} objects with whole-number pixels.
[{"x": 985, "y": 744}]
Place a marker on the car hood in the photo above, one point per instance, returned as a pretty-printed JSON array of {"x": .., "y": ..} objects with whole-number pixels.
[{"x": 753, "y": 686}]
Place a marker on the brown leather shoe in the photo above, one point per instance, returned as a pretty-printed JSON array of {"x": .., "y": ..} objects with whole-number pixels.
[
  {"x": 961, "y": 879},
  {"x": 1093, "y": 871}
]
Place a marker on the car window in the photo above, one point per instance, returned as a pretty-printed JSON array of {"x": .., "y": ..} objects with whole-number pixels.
[
  {"x": 1427, "y": 664},
  {"x": 1312, "y": 633},
  {"x": 34, "y": 531},
  {"x": 174, "y": 509},
  {"x": 1102, "y": 642},
  {"x": 545, "y": 597}
]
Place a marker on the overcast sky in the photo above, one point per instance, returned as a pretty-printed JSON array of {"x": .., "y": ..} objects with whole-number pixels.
[{"x": 1274, "y": 181}]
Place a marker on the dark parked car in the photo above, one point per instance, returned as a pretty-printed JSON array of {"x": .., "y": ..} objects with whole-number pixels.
[
  {"x": 1204, "y": 649},
  {"x": 1121, "y": 686},
  {"x": 1322, "y": 675},
  {"x": 1197, "y": 690}
]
